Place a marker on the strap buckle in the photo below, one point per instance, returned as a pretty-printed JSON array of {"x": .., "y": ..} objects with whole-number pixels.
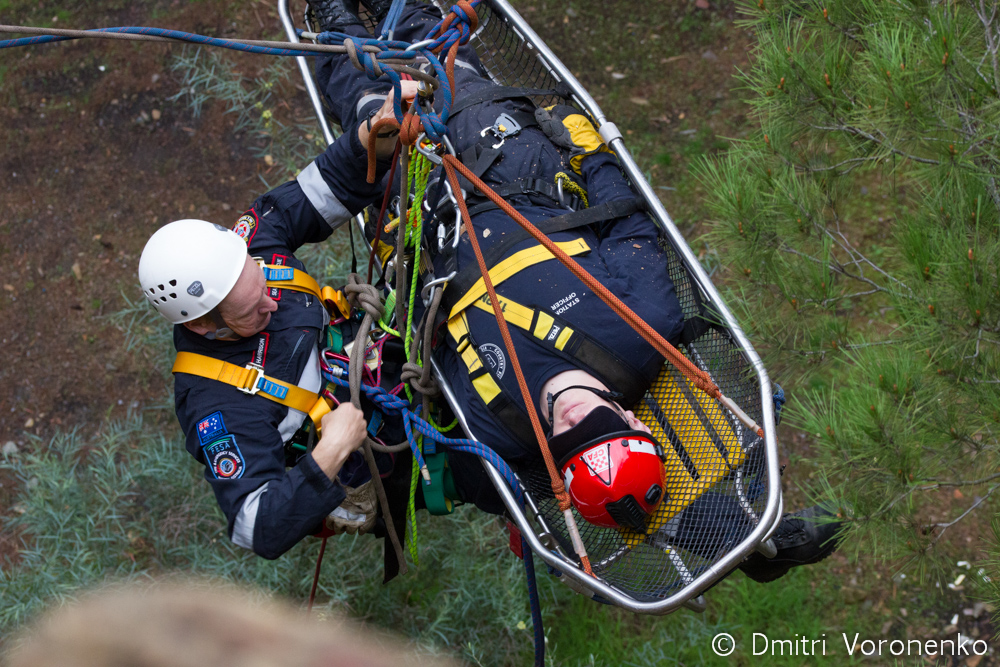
[
  {"x": 504, "y": 126},
  {"x": 253, "y": 386}
]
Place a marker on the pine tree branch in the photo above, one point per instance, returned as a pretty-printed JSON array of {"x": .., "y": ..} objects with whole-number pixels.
[
  {"x": 932, "y": 487},
  {"x": 991, "y": 39},
  {"x": 858, "y": 132},
  {"x": 946, "y": 526}
]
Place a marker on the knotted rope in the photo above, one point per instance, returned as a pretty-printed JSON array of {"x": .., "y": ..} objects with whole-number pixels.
[{"x": 365, "y": 296}]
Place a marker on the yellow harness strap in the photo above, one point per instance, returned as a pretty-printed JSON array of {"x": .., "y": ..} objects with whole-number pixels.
[
  {"x": 286, "y": 277},
  {"x": 536, "y": 322},
  {"x": 512, "y": 265},
  {"x": 249, "y": 379}
]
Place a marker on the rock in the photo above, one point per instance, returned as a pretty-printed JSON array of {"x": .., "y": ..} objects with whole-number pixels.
[
  {"x": 9, "y": 448},
  {"x": 709, "y": 55},
  {"x": 77, "y": 271},
  {"x": 156, "y": 114},
  {"x": 29, "y": 423},
  {"x": 617, "y": 76},
  {"x": 572, "y": 12},
  {"x": 641, "y": 101},
  {"x": 268, "y": 160},
  {"x": 701, "y": 4}
]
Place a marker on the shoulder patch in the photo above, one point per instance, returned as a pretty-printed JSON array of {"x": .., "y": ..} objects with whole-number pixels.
[
  {"x": 224, "y": 458},
  {"x": 246, "y": 226},
  {"x": 210, "y": 427}
]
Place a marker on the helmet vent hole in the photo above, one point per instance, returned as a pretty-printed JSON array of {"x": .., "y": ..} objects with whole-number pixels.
[
  {"x": 161, "y": 288},
  {"x": 184, "y": 313},
  {"x": 173, "y": 296},
  {"x": 173, "y": 283},
  {"x": 163, "y": 299}
]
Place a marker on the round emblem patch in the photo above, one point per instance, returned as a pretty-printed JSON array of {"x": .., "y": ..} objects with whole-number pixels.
[
  {"x": 226, "y": 465},
  {"x": 246, "y": 226},
  {"x": 494, "y": 357}
]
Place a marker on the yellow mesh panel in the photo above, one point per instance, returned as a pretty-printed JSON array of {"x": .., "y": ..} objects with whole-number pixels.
[{"x": 694, "y": 433}]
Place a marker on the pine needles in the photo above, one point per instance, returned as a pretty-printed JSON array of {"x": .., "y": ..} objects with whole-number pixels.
[{"x": 889, "y": 306}]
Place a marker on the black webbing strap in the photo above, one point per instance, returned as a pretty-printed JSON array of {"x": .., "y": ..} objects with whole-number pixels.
[
  {"x": 468, "y": 275},
  {"x": 531, "y": 187},
  {"x": 497, "y": 93}
]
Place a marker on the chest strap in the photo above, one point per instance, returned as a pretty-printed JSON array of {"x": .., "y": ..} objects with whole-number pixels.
[
  {"x": 250, "y": 380},
  {"x": 511, "y": 266}
]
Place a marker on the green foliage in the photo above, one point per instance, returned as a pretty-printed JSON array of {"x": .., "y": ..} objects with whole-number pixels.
[
  {"x": 863, "y": 218},
  {"x": 210, "y": 76}
]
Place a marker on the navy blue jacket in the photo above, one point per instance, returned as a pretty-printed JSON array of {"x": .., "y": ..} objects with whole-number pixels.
[{"x": 240, "y": 438}]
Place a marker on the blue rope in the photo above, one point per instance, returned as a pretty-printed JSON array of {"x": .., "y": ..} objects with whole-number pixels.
[
  {"x": 171, "y": 34},
  {"x": 392, "y": 19},
  {"x": 392, "y": 404}
]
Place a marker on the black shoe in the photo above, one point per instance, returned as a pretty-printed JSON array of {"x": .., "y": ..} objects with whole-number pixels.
[
  {"x": 377, "y": 9},
  {"x": 803, "y": 537},
  {"x": 335, "y": 15}
]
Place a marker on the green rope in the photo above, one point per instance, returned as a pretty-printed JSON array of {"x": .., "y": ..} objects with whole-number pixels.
[{"x": 416, "y": 179}]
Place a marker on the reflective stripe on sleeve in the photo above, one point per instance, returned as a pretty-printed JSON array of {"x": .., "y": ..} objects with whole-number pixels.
[
  {"x": 321, "y": 196},
  {"x": 247, "y": 518}
]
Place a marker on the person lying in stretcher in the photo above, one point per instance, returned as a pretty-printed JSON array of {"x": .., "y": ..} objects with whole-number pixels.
[{"x": 584, "y": 366}]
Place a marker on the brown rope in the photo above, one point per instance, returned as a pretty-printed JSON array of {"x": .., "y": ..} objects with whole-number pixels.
[{"x": 365, "y": 296}]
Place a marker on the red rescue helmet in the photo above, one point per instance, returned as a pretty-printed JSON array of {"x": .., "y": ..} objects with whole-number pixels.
[{"x": 614, "y": 474}]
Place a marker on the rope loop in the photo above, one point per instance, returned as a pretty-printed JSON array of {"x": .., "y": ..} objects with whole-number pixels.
[
  {"x": 364, "y": 295},
  {"x": 414, "y": 374}
]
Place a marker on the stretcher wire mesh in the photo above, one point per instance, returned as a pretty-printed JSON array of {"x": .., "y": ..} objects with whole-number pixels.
[{"x": 716, "y": 468}]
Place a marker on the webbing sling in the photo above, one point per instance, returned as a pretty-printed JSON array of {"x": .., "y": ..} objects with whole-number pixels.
[{"x": 469, "y": 275}]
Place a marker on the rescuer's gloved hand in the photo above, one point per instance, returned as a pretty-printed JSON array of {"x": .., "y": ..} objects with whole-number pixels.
[
  {"x": 568, "y": 128},
  {"x": 357, "y": 513}
]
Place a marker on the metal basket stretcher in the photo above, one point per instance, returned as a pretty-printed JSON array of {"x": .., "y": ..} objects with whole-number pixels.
[{"x": 723, "y": 496}]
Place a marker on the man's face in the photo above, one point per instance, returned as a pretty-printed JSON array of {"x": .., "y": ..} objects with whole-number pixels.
[
  {"x": 247, "y": 308},
  {"x": 573, "y": 405}
]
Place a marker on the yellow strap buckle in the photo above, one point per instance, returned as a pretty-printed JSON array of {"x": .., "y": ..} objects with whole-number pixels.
[{"x": 252, "y": 386}]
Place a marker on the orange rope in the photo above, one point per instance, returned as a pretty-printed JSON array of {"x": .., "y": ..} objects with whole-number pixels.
[
  {"x": 558, "y": 488},
  {"x": 683, "y": 364}
]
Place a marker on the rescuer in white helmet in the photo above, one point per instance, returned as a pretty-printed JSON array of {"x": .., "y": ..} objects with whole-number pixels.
[{"x": 232, "y": 328}]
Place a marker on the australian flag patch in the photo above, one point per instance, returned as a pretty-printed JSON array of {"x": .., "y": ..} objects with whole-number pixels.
[
  {"x": 224, "y": 458},
  {"x": 210, "y": 427}
]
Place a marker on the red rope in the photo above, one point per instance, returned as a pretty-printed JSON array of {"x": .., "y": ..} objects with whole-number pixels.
[
  {"x": 319, "y": 562},
  {"x": 381, "y": 213},
  {"x": 683, "y": 364}
]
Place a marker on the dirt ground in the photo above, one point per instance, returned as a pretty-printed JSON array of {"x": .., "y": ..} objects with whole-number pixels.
[{"x": 96, "y": 156}]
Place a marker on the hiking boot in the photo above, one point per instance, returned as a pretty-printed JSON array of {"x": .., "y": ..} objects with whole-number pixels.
[
  {"x": 335, "y": 15},
  {"x": 803, "y": 537},
  {"x": 377, "y": 9}
]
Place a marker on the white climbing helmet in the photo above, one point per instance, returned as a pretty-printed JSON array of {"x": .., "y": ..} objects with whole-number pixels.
[{"x": 189, "y": 266}]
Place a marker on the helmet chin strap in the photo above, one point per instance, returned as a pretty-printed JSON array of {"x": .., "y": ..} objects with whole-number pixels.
[
  {"x": 222, "y": 330},
  {"x": 610, "y": 396}
]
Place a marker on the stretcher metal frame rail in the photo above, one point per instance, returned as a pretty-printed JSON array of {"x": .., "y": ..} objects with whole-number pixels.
[{"x": 533, "y": 524}]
